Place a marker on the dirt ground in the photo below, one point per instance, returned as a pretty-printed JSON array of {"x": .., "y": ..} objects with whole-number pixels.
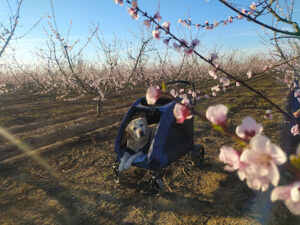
[{"x": 70, "y": 179}]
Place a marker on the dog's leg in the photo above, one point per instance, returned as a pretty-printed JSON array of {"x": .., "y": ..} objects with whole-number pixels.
[
  {"x": 123, "y": 160},
  {"x": 131, "y": 158}
]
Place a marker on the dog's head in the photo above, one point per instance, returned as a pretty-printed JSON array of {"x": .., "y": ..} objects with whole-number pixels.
[{"x": 138, "y": 129}]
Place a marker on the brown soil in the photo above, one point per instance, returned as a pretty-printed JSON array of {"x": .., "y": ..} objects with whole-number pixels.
[{"x": 71, "y": 180}]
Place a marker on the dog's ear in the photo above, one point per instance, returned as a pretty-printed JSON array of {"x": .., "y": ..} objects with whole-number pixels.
[
  {"x": 128, "y": 131},
  {"x": 127, "y": 128}
]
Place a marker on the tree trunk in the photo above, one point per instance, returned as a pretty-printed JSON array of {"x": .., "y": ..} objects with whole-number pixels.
[{"x": 99, "y": 108}]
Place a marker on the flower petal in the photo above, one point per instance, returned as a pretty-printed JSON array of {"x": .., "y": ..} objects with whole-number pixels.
[
  {"x": 259, "y": 143},
  {"x": 281, "y": 193},
  {"x": 274, "y": 175},
  {"x": 278, "y": 155}
]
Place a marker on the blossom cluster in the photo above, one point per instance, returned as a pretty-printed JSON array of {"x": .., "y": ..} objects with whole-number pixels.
[
  {"x": 290, "y": 194},
  {"x": 210, "y": 26},
  {"x": 182, "y": 110},
  {"x": 257, "y": 162},
  {"x": 182, "y": 93},
  {"x": 188, "y": 48}
]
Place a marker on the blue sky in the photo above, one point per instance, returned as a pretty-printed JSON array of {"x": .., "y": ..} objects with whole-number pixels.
[{"x": 114, "y": 20}]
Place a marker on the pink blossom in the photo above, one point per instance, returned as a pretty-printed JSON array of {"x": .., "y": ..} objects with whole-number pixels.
[
  {"x": 176, "y": 46},
  {"x": 290, "y": 194},
  {"x": 180, "y": 21},
  {"x": 213, "y": 56},
  {"x": 166, "y": 41},
  {"x": 181, "y": 90},
  {"x": 225, "y": 23},
  {"x": 213, "y": 74},
  {"x": 134, "y": 4},
  {"x": 206, "y": 96},
  {"x": 225, "y": 81},
  {"x": 216, "y": 88},
  {"x": 294, "y": 84},
  {"x": 217, "y": 114},
  {"x": 157, "y": 16},
  {"x": 268, "y": 114},
  {"x": 214, "y": 93},
  {"x": 211, "y": 27},
  {"x": 190, "y": 92},
  {"x": 197, "y": 25},
  {"x": 237, "y": 84},
  {"x": 195, "y": 42},
  {"x": 166, "y": 25},
  {"x": 181, "y": 112},
  {"x": 173, "y": 93},
  {"x": 152, "y": 95},
  {"x": 297, "y": 93},
  {"x": 249, "y": 128},
  {"x": 120, "y": 2},
  {"x": 156, "y": 34},
  {"x": 230, "y": 20},
  {"x": 240, "y": 16},
  {"x": 295, "y": 130},
  {"x": 133, "y": 13},
  {"x": 135, "y": 16},
  {"x": 249, "y": 74},
  {"x": 262, "y": 159},
  {"x": 231, "y": 157},
  {"x": 188, "y": 51},
  {"x": 184, "y": 43},
  {"x": 216, "y": 23},
  {"x": 147, "y": 23},
  {"x": 253, "y": 6},
  {"x": 217, "y": 65}
]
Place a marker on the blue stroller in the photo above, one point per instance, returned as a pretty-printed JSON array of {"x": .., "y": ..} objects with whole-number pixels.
[{"x": 171, "y": 141}]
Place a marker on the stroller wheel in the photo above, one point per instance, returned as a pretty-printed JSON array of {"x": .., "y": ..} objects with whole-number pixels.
[
  {"x": 116, "y": 173},
  {"x": 161, "y": 186},
  {"x": 197, "y": 155},
  {"x": 157, "y": 185}
]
